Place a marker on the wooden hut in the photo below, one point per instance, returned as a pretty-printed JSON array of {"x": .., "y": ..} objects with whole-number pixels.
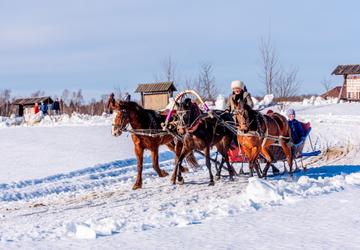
[
  {"x": 155, "y": 95},
  {"x": 334, "y": 93},
  {"x": 351, "y": 85},
  {"x": 26, "y": 105}
]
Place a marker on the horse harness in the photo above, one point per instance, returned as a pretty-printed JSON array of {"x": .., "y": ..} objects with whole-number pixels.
[
  {"x": 260, "y": 132},
  {"x": 142, "y": 132}
]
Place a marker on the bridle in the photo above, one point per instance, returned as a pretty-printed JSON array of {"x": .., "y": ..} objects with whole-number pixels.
[
  {"x": 123, "y": 125},
  {"x": 240, "y": 112}
]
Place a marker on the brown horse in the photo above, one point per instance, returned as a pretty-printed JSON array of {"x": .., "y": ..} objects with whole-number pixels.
[
  {"x": 200, "y": 132},
  {"x": 257, "y": 132},
  {"x": 144, "y": 120}
]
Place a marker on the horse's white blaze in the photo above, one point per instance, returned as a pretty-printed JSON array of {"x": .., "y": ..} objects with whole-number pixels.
[{"x": 113, "y": 129}]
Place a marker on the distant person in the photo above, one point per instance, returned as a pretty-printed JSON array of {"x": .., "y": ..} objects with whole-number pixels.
[
  {"x": 36, "y": 108},
  {"x": 56, "y": 107},
  {"x": 127, "y": 97},
  {"x": 111, "y": 103},
  {"x": 21, "y": 110},
  {"x": 297, "y": 131},
  {"x": 44, "y": 108},
  {"x": 239, "y": 93}
]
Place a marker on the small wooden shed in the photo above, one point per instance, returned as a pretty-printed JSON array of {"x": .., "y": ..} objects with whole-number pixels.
[
  {"x": 26, "y": 105},
  {"x": 351, "y": 84},
  {"x": 334, "y": 93},
  {"x": 155, "y": 95}
]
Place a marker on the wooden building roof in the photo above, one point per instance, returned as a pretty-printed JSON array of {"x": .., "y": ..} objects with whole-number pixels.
[
  {"x": 347, "y": 69},
  {"x": 155, "y": 87},
  {"x": 32, "y": 101},
  {"x": 334, "y": 93}
]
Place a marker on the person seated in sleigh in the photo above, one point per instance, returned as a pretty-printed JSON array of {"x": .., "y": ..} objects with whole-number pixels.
[{"x": 297, "y": 130}]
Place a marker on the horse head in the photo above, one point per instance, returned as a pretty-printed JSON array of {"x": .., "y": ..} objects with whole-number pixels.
[
  {"x": 242, "y": 116},
  {"x": 120, "y": 118},
  {"x": 187, "y": 113}
]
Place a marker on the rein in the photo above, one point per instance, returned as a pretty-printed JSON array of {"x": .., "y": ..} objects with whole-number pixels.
[
  {"x": 143, "y": 132},
  {"x": 260, "y": 134}
]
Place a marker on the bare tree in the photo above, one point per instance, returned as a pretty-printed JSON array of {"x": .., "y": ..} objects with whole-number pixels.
[
  {"x": 5, "y": 106},
  {"x": 287, "y": 83},
  {"x": 118, "y": 93},
  {"x": 38, "y": 93},
  {"x": 168, "y": 72},
  {"x": 326, "y": 83},
  {"x": 65, "y": 96},
  {"x": 269, "y": 64},
  {"x": 206, "y": 84}
]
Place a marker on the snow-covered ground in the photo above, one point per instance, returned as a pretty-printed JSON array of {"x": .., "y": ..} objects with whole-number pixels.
[{"x": 69, "y": 186}]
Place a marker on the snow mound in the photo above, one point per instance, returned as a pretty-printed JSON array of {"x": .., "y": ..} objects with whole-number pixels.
[
  {"x": 262, "y": 191},
  {"x": 80, "y": 231},
  {"x": 353, "y": 179},
  {"x": 266, "y": 101},
  {"x": 10, "y": 121},
  {"x": 75, "y": 119},
  {"x": 93, "y": 228},
  {"x": 318, "y": 100},
  {"x": 220, "y": 103}
]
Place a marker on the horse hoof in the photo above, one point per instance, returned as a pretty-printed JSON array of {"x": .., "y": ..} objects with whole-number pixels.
[
  {"x": 163, "y": 173},
  {"x": 231, "y": 178},
  {"x": 181, "y": 181},
  {"x": 184, "y": 170},
  {"x": 217, "y": 177},
  {"x": 136, "y": 186},
  {"x": 211, "y": 183}
]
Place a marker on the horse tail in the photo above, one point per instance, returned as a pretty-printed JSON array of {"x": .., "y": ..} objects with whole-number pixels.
[{"x": 191, "y": 160}]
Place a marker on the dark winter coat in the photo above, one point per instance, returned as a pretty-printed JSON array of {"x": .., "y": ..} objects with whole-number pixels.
[
  {"x": 297, "y": 131},
  {"x": 56, "y": 106},
  {"x": 44, "y": 108}
]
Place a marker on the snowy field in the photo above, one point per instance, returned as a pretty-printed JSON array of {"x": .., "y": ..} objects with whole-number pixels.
[{"x": 68, "y": 185}]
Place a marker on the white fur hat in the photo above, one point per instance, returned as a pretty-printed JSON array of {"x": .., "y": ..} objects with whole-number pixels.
[{"x": 237, "y": 84}]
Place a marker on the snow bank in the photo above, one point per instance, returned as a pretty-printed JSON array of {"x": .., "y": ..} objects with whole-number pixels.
[
  {"x": 195, "y": 207},
  {"x": 318, "y": 100},
  {"x": 92, "y": 229},
  {"x": 60, "y": 120},
  {"x": 266, "y": 101},
  {"x": 220, "y": 103},
  {"x": 10, "y": 121}
]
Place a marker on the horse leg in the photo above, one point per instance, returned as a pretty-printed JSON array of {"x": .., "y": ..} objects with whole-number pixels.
[
  {"x": 251, "y": 169},
  {"x": 218, "y": 172},
  {"x": 258, "y": 169},
  {"x": 289, "y": 155},
  {"x": 177, "y": 150},
  {"x": 139, "y": 151},
  {"x": 208, "y": 165},
  {"x": 179, "y": 177},
  {"x": 155, "y": 160},
  {"x": 268, "y": 161},
  {"x": 230, "y": 167},
  {"x": 225, "y": 157}
]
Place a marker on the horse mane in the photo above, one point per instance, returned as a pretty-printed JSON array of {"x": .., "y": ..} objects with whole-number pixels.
[
  {"x": 145, "y": 116},
  {"x": 130, "y": 105},
  {"x": 253, "y": 126}
]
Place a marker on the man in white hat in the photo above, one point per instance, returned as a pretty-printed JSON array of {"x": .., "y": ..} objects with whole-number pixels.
[{"x": 239, "y": 93}]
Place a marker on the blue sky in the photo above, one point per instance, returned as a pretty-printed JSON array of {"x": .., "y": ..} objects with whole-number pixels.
[{"x": 99, "y": 45}]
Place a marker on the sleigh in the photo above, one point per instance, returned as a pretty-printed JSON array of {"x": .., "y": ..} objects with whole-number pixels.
[{"x": 237, "y": 156}]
